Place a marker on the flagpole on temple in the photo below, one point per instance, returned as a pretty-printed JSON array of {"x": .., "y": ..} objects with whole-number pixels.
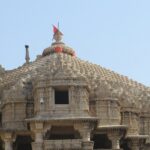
[{"x": 58, "y": 25}]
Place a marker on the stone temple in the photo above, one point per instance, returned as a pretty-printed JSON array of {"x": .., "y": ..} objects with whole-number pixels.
[{"x": 60, "y": 102}]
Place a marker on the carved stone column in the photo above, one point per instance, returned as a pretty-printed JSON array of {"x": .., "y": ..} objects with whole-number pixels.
[
  {"x": 85, "y": 132},
  {"x": 115, "y": 141},
  {"x": 8, "y": 144},
  {"x": 7, "y": 138},
  {"x": 37, "y": 129},
  {"x": 114, "y": 133}
]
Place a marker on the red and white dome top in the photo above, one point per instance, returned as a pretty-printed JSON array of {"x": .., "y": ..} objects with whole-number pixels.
[{"x": 58, "y": 46}]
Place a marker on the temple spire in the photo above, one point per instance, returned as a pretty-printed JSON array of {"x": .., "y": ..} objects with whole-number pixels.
[
  {"x": 57, "y": 36},
  {"x": 27, "y": 57}
]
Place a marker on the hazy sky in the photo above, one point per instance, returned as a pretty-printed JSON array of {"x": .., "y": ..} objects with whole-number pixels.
[{"x": 112, "y": 33}]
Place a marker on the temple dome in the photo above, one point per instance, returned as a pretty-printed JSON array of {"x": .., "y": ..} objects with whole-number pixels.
[{"x": 58, "y": 60}]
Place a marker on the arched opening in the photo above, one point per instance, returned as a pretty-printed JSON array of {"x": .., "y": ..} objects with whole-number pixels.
[
  {"x": 101, "y": 141},
  {"x": 61, "y": 132},
  {"x": 124, "y": 144},
  {"x": 1, "y": 144},
  {"x": 23, "y": 142}
]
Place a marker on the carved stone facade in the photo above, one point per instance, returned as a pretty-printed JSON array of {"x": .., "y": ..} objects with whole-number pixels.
[{"x": 62, "y": 102}]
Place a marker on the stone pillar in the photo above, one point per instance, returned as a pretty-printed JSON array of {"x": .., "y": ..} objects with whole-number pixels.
[
  {"x": 7, "y": 138},
  {"x": 8, "y": 145},
  {"x": 115, "y": 139},
  {"x": 38, "y": 136},
  {"x": 85, "y": 132},
  {"x": 37, "y": 129},
  {"x": 115, "y": 142}
]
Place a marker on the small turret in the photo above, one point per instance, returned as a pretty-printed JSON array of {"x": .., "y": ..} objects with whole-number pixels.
[{"x": 27, "y": 57}]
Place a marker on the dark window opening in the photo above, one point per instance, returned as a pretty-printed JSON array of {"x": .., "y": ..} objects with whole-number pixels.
[
  {"x": 22, "y": 143},
  {"x": 61, "y": 132},
  {"x": 61, "y": 97},
  {"x": 101, "y": 141},
  {"x": 61, "y": 136}
]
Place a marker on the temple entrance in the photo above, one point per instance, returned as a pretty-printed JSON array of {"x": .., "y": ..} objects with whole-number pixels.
[
  {"x": 61, "y": 132},
  {"x": 101, "y": 141},
  {"x": 22, "y": 143},
  {"x": 1, "y": 144}
]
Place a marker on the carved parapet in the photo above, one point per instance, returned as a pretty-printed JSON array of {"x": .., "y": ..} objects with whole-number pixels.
[
  {"x": 108, "y": 111},
  {"x": 130, "y": 117}
]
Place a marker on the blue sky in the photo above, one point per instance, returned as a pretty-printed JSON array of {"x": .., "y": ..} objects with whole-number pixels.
[{"x": 112, "y": 33}]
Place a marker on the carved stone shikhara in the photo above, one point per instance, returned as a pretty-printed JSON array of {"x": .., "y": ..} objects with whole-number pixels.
[{"x": 101, "y": 103}]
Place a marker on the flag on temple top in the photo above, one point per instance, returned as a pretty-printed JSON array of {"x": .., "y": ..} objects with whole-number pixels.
[{"x": 55, "y": 29}]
